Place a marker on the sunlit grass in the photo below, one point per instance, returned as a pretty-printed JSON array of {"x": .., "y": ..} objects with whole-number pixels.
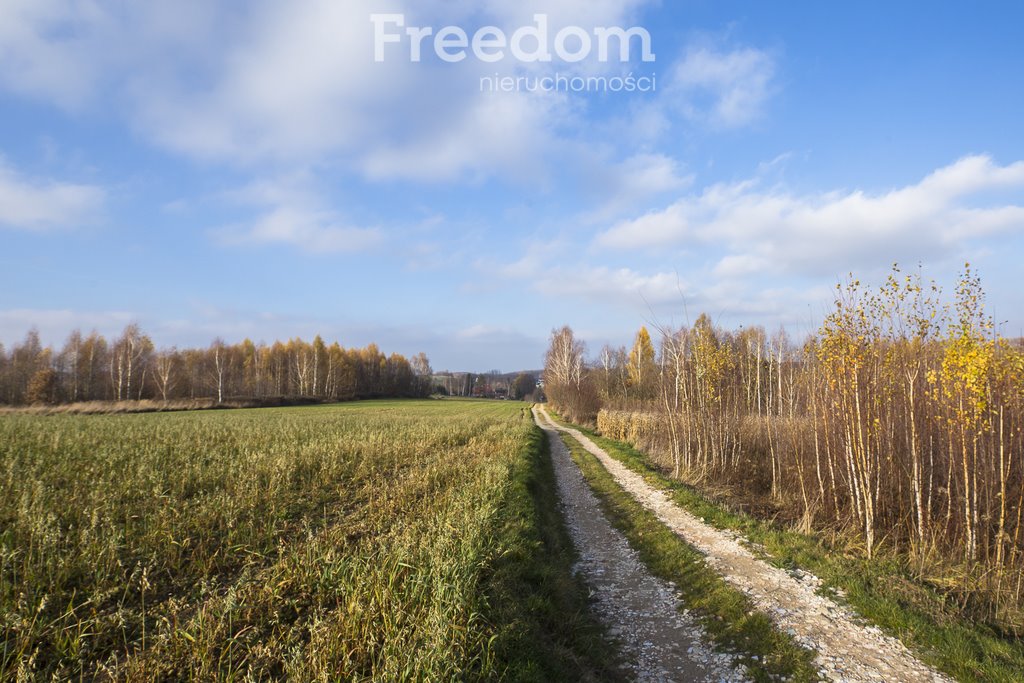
[{"x": 324, "y": 543}]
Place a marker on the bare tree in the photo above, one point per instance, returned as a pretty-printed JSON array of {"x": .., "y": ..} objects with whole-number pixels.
[
  {"x": 128, "y": 360},
  {"x": 164, "y": 368},
  {"x": 563, "y": 366},
  {"x": 219, "y": 354}
]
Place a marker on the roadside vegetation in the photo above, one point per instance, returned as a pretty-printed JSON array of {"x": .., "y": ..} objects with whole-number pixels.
[
  {"x": 725, "y": 613},
  {"x": 883, "y": 589},
  {"x": 383, "y": 541},
  {"x": 894, "y": 436}
]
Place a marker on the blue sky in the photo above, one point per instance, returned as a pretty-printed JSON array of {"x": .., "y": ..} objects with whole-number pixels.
[{"x": 248, "y": 170}]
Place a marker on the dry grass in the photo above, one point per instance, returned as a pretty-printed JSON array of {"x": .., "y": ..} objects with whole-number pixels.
[
  {"x": 154, "y": 406},
  {"x": 345, "y": 542}
]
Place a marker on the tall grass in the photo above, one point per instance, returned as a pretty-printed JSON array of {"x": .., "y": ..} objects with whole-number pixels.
[{"x": 346, "y": 542}]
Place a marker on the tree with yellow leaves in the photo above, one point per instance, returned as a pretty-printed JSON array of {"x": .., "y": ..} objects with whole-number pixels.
[{"x": 642, "y": 368}]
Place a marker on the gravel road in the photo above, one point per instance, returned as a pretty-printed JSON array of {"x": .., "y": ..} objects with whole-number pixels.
[
  {"x": 847, "y": 650},
  {"x": 660, "y": 641}
]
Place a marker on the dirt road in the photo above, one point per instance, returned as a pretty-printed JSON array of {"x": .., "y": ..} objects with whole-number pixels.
[
  {"x": 661, "y": 643},
  {"x": 847, "y": 650}
]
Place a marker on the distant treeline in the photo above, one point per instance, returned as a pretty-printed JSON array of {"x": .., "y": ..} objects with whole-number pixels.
[
  {"x": 130, "y": 367},
  {"x": 518, "y": 386}
]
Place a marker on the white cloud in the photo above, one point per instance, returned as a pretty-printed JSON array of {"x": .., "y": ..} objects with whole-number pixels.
[
  {"x": 656, "y": 228},
  {"x": 77, "y": 53},
  {"x": 482, "y": 331},
  {"x": 289, "y": 212},
  {"x": 740, "y": 265},
  {"x": 972, "y": 174},
  {"x": 290, "y": 81},
  {"x": 317, "y": 232},
  {"x": 33, "y": 204},
  {"x": 641, "y": 177},
  {"x": 652, "y": 173},
  {"x": 285, "y": 85},
  {"x": 506, "y": 132},
  {"x": 526, "y": 268},
  {"x": 670, "y": 297},
  {"x": 296, "y": 82},
  {"x": 41, "y": 53},
  {"x": 604, "y": 284},
  {"x": 774, "y": 230},
  {"x": 725, "y": 88}
]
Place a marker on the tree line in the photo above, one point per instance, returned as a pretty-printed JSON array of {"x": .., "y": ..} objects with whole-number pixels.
[
  {"x": 130, "y": 367},
  {"x": 899, "y": 423},
  {"x": 518, "y": 386}
]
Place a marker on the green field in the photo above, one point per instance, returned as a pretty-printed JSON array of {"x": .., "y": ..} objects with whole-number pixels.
[{"x": 380, "y": 540}]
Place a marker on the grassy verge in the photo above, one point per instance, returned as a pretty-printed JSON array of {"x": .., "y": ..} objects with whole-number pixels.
[
  {"x": 725, "y": 613},
  {"x": 882, "y": 590},
  {"x": 546, "y": 632}
]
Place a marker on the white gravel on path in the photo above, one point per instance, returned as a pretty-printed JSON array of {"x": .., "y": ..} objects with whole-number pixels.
[
  {"x": 641, "y": 611},
  {"x": 846, "y": 650}
]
